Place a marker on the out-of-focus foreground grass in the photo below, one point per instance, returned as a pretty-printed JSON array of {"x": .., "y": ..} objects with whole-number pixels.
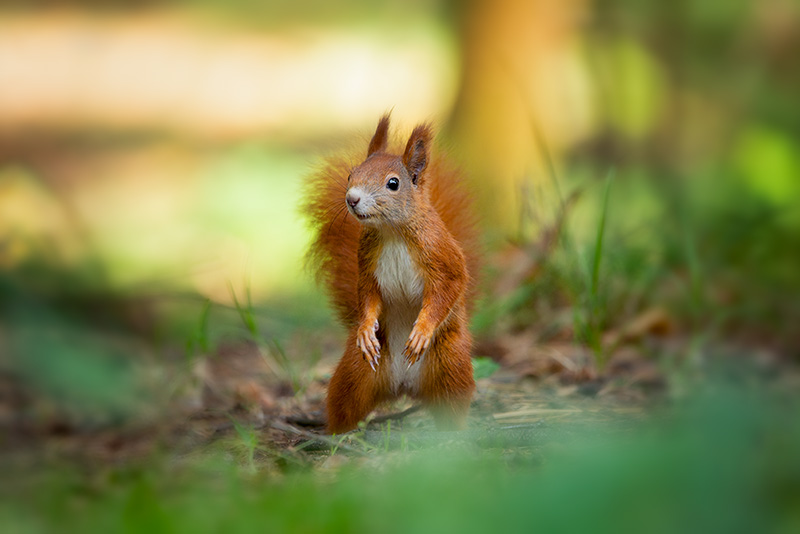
[{"x": 723, "y": 461}]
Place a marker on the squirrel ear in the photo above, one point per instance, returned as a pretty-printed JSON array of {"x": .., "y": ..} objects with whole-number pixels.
[
  {"x": 378, "y": 142},
  {"x": 416, "y": 155}
]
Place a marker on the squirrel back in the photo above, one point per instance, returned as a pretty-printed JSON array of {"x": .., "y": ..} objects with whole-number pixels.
[{"x": 333, "y": 252}]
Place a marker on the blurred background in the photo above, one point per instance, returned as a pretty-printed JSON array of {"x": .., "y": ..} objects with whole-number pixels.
[{"x": 636, "y": 162}]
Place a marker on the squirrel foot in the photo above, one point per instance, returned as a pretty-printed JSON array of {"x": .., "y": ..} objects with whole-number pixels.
[
  {"x": 418, "y": 342},
  {"x": 367, "y": 341}
]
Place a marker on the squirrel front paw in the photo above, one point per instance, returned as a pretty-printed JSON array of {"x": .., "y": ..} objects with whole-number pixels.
[
  {"x": 418, "y": 342},
  {"x": 367, "y": 341}
]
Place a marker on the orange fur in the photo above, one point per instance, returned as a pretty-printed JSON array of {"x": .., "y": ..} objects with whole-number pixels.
[{"x": 405, "y": 270}]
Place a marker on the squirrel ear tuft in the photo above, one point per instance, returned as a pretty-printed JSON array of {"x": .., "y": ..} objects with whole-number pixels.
[
  {"x": 379, "y": 140},
  {"x": 415, "y": 158}
]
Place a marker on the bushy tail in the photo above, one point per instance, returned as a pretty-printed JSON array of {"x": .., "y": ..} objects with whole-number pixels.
[
  {"x": 448, "y": 194},
  {"x": 333, "y": 253}
]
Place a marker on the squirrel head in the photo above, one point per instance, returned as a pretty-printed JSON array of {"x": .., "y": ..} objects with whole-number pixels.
[{"x": 387, "y": 190}]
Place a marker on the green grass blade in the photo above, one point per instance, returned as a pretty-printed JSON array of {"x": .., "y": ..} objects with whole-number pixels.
[{"x": 598, "y": 248}]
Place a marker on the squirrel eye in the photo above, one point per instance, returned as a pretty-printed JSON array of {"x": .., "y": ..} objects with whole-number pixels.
[{"x": 393, "y": 184}]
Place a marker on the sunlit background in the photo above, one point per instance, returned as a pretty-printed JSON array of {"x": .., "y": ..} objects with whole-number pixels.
[
  {"x": 152, "y": 156},
  {"x": 167, "y": 143}
]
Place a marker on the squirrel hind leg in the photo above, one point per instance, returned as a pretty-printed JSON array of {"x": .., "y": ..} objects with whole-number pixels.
[
  {"x": 450, "y": 415},
  {"x": 352, "y": 392},
  {"x": 447, "y": 383}
]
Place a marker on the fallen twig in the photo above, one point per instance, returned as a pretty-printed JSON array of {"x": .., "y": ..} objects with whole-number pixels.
[{"x": 318, "y": 438}]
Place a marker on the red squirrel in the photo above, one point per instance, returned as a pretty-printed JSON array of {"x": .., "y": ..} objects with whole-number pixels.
[{"x": 395, "y": 245}]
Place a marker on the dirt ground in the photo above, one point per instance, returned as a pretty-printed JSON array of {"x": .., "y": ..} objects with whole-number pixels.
[{"x": 539, "y": 392}]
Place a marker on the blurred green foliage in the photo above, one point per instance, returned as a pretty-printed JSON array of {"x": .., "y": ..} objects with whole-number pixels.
[
  {"x": 713, "y": 252},
  {"x": 483, "y": 367}
]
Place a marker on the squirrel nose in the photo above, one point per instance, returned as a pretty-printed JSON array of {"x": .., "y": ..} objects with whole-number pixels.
[{"x": 352, "y": 198}]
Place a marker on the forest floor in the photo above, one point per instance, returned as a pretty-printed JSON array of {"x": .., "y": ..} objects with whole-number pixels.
[{"x": 241, "y": 394}]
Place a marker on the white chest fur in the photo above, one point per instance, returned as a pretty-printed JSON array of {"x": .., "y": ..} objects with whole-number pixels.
[
  {"x": 398, "y": 274},
  {"x": 402, "y": 286}
]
